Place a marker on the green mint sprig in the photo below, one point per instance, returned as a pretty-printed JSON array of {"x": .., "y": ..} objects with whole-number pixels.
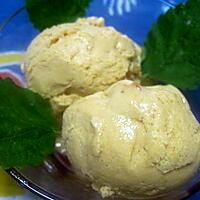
[
  {"x": 172, "y": 48},
  {"x": 46, "y": 13},
  {"x": 28, "y": 128}
]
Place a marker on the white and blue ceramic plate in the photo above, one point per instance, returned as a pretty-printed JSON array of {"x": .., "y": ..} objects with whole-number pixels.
[{"x": 132, "y": 17}]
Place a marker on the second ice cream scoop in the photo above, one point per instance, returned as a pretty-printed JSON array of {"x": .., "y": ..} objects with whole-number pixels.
[{"x": 131, "y": 140}]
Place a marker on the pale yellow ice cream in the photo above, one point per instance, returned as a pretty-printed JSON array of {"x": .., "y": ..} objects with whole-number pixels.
[
  {"x": 131, "y": 140},
  {"x": 77, "y": 59}
]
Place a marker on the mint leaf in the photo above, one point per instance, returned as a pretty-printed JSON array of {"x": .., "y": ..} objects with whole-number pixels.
[
  {"x": 46, "y": 13},
  {"x": 172, "y": 53},
  {"x": 27, "y": 129}
]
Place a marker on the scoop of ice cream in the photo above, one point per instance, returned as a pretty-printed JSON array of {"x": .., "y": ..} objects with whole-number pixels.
[
  {"x": 61, "y": 102},
  {"x": 131, "y": 140},
  {"x": 80, "y": 58}
]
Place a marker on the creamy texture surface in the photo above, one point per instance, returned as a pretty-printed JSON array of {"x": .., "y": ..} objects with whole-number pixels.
[
  {"x": 132, "y": 140},
  {"x": 79, "y": 59}
]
